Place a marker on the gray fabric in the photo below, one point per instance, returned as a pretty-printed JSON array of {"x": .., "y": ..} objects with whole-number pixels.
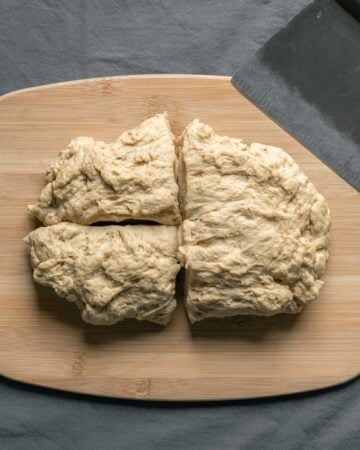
[
  {"x": 44, "y": 41},
  {"x": 48, "y": 41},
  {"x": 37, "y": 419}
]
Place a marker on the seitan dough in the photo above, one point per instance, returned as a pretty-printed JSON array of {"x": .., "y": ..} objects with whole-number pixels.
[
  {"x": 110, "y": 272},
  {"x": 132, "y": 178},
  {"x": 256, "y": 232}
]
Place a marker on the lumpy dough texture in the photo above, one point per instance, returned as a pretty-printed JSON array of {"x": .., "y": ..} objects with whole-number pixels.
[
  {"x": 256, "y": 231},
  {"x": 132, "y": 178},
  {"x": 112, "y": 272}
]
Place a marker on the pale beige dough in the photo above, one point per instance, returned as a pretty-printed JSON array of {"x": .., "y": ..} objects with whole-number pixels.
[
  {"x": 110, "y": 272},
  {"x": 132, "y": 178},
  {"x": 256, "y": 231}
]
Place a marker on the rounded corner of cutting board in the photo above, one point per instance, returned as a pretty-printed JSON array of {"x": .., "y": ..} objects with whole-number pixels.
[
  {"x": 38, "y": 346},
  {"x": 187, "y": 391}
]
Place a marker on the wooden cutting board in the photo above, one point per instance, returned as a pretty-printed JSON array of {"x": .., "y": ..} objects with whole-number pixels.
[{"x": 43, "y": 340}]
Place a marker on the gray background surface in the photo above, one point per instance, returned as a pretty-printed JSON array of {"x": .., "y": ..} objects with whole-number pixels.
[{"x": 44, "y": 41}]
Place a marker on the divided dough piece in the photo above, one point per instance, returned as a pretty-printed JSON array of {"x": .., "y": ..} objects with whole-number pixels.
[
  {"x": 110, "y": 272},
  {"x": 256, "y": 231},
  {"x": 132, "y": 178}
]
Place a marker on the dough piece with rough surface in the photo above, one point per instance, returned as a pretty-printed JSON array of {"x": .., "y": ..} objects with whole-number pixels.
[
  {"x": 110, "y": 272},
  {"x": 132, "y": 178},
  {"x": 256, "y": 231}
]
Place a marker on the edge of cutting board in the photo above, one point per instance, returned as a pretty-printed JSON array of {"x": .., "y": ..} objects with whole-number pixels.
[
  {"x": 115, "y": 77},
  {"x": 313, "y": 390}
]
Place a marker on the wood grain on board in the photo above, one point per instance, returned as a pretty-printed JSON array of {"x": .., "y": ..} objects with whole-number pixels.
[{"x": 43, "y": 340}]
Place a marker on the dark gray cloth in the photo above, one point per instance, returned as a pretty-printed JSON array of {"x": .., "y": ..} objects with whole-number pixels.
[
  {"x": 50, "y": 40},
  {"x": 44, "y": 41},
  {"x": 38, "y": 419}
]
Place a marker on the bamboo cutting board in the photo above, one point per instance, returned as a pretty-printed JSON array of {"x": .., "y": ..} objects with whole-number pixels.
[{"x": 43, "y": 340}]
